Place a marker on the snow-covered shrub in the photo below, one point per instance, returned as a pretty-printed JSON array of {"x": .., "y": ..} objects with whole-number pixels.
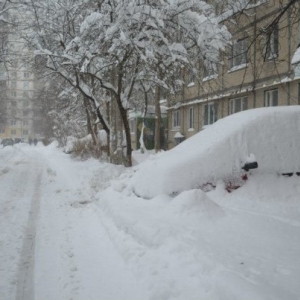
[{"x": 85, "y": 148}]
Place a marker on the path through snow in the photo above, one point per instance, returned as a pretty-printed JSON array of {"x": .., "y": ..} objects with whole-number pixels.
[{"x": 53, "y": 245}]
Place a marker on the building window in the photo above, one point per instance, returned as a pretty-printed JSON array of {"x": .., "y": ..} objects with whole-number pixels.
[
  {"x": 272, "y": 43},
  {"x": 2, "y": 130},
  {"x": 26, "y": 74},
  {"x": 13, "y": 122},
  {"x": 191, "y": 118},
  {"x": 26, "y": 94},
  {"x": 13, "y": 84},
  {"x": 25, "y": 113},
  {"x": 13, "y": 93},
  {"x": 13, "y": 131},
  {"x": 176, "y": 119},
  {"x": 238, "y": 55},
  {"x": 25, "y": 122},
  {"x": 210, "y": 113},
  {"x": 26, "y": 84},
  {"x": 271, "y": 97},
  {"x": 210, "y": 70},
  {"x": 191, "y": 77},
  {"x": 26, "y": 103},
  {"x": 238, "y": 104},
  {"x": 25, "y": 132}
]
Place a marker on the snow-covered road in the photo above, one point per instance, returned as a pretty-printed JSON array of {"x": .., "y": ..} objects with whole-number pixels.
[
  {"x": 52, "y": 243},
  {"x": 76, "y": 230},
  {"x": 20, "y": 178}
]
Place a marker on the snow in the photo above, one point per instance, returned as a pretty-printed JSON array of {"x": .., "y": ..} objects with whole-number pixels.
[
  {"x": 178, "y": 135},
  {"x": 296, "y": 57},
  {"x": 221, "y": 149},
  {"x": 76, "y": 229}
]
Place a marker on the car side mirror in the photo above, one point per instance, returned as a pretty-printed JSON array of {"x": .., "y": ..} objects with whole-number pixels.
[{"x": 250, "y": 165}]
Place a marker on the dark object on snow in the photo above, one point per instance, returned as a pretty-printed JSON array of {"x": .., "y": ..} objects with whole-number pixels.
[
  {"x": 7, "y": 142},
  {"x": 288, "y": 174},
  {"x": 35, "y": 141},
  {"x": 250, "y": 165}
]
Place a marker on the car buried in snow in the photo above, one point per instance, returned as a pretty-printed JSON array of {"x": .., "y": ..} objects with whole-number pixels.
[
  {"x": 264, "y": 139},
  {"x": 7, "y": 142}
]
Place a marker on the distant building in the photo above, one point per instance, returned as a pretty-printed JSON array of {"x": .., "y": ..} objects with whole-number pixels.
[{"x": 17, "y": 89}]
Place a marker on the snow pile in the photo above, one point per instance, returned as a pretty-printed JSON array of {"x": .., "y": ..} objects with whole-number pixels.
[
  {"x": 160, "y": 239},
  {"x": 240, "y": 245},
  {"x": 69, "y": 148},
  {"x": 88, "y": 236},
  {"x": 221, "y": 150}
]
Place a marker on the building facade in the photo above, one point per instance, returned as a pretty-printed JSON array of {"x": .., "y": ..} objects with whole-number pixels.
[
  {"x": 256, "y": 70},
  {"x": 17, "y": 89}
]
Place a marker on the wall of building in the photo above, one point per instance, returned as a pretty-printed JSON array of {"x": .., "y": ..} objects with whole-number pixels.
[{"x": 264, "y": 80}]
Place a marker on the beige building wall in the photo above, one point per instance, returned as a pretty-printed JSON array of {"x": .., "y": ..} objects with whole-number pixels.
[{"x": 266, "y": 79}]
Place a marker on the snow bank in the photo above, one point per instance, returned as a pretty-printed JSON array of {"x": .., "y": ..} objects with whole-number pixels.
[{"x": 271, "y": 135}]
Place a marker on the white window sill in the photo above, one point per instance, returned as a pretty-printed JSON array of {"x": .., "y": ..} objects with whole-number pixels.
[
  {"x": 207, "y": 78},
  {"x": 191, "y": 84},
  {"x": 239, "y": 67},
  {"x": 175, "y": 129},
  {"x": 191, "y": 129},
  {"x": 271, "y": 57}
]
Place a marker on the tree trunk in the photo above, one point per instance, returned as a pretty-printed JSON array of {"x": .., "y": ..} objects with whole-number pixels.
[
  {"x": 123, "y": 115},
  {"x": 90, "y": 128},
  {"x": 158, "y": 120}
]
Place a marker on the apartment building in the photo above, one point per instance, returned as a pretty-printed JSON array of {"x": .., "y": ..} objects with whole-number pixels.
[
  {"x": 256, "y": 71},
  {"x": 17, "y": 89}
]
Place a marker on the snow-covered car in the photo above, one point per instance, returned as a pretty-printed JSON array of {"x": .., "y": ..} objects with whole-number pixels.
[
  {"x": 268, "y": 137},
  {"x": 7, "y": 142}
]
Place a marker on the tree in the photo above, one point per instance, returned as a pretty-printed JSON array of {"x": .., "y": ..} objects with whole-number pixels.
[
  {"x": 108, "y": 49},
  {"x": 139, "y": 42}
]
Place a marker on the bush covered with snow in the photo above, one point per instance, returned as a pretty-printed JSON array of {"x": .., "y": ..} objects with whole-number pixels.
[
  {"x": 270, "y": 135},
  {"x": 85, "y": 147}
]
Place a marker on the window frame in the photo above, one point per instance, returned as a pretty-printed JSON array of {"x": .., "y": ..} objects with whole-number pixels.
[
  {"x": 233, "y": 103},
  {"x": 238, "y": 55},
  {"x": 207, "y": 118},
  {"x": 272, "y": 44},
  {"x": 209, "y": 70},
  {"x": 269, "y": 98},
  {"x": 13, "y": 84},
  {"x": 191, "y": 117},
  {"x": 176, "y": 119},
  {"x": 26, "y": 85}
]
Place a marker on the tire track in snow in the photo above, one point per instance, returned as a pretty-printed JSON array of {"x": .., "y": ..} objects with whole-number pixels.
[{"x": 25, "y": 281}]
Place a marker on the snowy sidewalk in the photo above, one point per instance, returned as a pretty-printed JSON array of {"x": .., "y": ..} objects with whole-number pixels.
[{"x": 73, "y": 256}]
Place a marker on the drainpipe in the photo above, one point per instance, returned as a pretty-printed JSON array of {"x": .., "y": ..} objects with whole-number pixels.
[
  {"x": 254, "y": 58},
  {"x": 289, "y": 56}
]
